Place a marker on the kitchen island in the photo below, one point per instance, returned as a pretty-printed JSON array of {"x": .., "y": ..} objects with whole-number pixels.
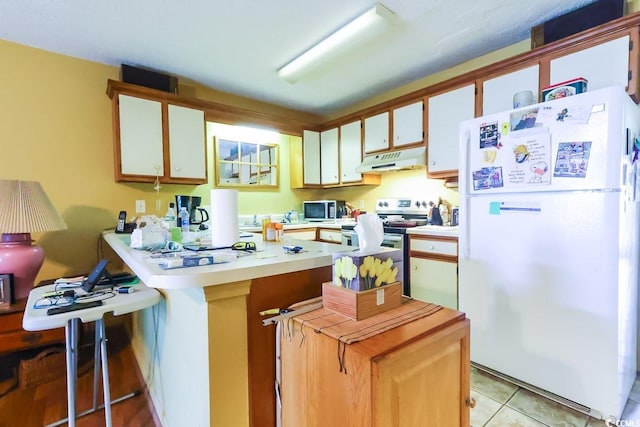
[{"x": 203, "y": 351}]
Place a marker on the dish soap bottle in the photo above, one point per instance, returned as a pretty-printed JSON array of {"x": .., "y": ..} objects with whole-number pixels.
[{"x": 184, "y": 219}]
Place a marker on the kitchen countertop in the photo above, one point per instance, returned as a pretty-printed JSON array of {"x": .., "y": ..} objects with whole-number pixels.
[
  {"x": 269, "y": 260},
  {"x": 434, "y": 230}
]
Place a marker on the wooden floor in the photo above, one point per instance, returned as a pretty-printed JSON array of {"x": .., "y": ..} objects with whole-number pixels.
[{"x": 43, "y": 404}]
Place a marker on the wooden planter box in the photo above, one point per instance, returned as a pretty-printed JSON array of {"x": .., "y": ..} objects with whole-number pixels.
[{"x": 363, "y": 304}]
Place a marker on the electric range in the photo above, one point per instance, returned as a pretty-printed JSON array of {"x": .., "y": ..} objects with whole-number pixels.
[{"x": 397, "y": 214}]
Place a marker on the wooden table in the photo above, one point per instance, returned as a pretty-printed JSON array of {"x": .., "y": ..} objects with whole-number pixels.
[{"x": 13, "y": 338}]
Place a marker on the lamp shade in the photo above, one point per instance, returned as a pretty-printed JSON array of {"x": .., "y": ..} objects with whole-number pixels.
[{"x": 24, "y": 209}]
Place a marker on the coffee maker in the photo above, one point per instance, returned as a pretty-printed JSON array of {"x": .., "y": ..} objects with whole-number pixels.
[{"x": 197, "y": 215}]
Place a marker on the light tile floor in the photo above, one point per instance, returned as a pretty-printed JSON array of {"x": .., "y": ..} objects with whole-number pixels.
[{"x": 502, "y": 404}]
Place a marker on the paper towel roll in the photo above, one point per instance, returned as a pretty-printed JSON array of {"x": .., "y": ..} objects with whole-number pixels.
[{"x": 223, "y": 218}]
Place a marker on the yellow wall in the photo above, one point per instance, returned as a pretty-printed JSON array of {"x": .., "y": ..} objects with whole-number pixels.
[{"x": 55, "y": 127}]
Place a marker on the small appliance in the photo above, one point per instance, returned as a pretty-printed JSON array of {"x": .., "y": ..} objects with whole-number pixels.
[
  {"x": 197, "y": 215},
  {"x": 322, "y": 210}
]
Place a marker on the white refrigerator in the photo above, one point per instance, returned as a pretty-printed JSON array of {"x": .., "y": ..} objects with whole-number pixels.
[{"x": 548, "y": 245}]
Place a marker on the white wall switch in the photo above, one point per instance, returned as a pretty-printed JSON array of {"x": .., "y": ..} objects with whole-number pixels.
[{"x": 141, "y": 206}]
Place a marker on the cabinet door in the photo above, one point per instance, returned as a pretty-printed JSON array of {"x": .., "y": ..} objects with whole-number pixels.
[
  {"x": 497, "y": 93},
  {"x": 350, "y": 151},
  {"x": 187, "y": 146},
  {"x": 606, "y": 64},
  {"x": 311, "y": 157},
  {"x": 376, "y": 132},
  {"x": 305, "y": 234},
  {"x": 425, "y": 383},
  {"x": 434, "y": 281},
  {"x": 407, "y": 125},
  {"x": 334, "y": 236},
  {"x": 329, "y": 157},
  {"x": 446, "y": 111},
  {"x": 140, "y": 136}
]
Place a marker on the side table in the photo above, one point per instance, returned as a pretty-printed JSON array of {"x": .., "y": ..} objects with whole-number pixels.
[
  {"x": 38, "y": 320},
  {"x": 14, "y": 338}
]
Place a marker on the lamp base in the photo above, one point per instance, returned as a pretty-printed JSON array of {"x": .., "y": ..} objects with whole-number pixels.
[{"x": 22, "y": 259}]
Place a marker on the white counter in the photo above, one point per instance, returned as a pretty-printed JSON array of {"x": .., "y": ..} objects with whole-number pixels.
[
  {"x": 434, "y": 230},
  {"x": 269, "y": 260}
]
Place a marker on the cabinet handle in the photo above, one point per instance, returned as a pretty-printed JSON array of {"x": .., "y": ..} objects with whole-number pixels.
[
  {"x": 433, "y": 163},
  {"x": 471, "y": 402},
  {"x": 431, "y": 247},
  {"x": 414, "y": 267}
]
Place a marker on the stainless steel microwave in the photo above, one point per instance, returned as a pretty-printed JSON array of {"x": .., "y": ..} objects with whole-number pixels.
[{"x": 322, "y": 210}]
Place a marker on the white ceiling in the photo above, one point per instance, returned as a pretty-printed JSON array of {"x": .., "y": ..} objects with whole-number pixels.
[{"x": 237, "y": 45}]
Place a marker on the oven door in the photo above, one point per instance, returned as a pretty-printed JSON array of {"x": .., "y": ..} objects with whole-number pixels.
[{"x": 393, "y": 240}]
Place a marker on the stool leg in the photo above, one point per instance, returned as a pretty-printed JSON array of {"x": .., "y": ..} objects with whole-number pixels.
[
  {"x": 96, "y": 367},
  {"x": 71, "y": 338},
  {"x": 105, "y": 371}
]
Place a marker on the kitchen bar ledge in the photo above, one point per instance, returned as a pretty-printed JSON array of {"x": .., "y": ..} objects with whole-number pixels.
[
  {"x": 202, "y": 350},
  {"x": 270, "y": 261}
]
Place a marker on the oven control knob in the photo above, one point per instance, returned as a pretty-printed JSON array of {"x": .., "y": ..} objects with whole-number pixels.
[
  {"x": 417, "y": 204},
  {"x": 424, "y": 204}
]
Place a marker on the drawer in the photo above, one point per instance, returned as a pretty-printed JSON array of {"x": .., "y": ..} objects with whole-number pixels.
[
  {"x": 21, "y": 340},
  {"x": 330, "y": 236},
  {"x": 441, "y": 247},
  {"x": 11, "y": 322},
  {"x": 304, "y": 234}
]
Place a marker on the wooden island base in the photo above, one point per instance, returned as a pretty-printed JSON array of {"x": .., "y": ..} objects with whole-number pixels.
[{"x": 416, "y": 374}]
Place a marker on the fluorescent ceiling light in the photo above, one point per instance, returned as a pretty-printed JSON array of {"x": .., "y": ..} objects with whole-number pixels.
[{"x": 350, "y": 36}]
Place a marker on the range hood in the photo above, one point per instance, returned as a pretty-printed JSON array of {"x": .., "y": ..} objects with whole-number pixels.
[{"x": 412, "y": 158}]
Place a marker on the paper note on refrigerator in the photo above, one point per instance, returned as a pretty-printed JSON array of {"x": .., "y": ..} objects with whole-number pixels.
[
  {"x": 572, "y": 159},
  {"x": 530, "y": 161}
]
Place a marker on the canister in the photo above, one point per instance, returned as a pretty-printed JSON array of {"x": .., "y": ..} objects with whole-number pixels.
[
  {"x": 265, "y": 226},
  {"x": 455, "y": 216}
]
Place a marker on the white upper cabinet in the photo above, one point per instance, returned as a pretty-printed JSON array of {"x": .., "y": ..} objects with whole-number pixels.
[
  {"x": 329, "y": 157},
  {"x": 140, "y": 136},
  {"x": 603, "y": 65},
  {"x": 311, "y": 157},
  {"x": 446, "y": 111},
  {"x": 497, "y": 93},
  {"x": 376, "y": 132},
  {"x": 187, "y": 149},
  {"x": 350, "y": 151},
  {"x": 407, "y": 124},
  {"x": 141, "y": 144}
]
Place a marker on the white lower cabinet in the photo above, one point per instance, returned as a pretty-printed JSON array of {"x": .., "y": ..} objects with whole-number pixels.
[
  {"x": 301, "y": 234},
  {"x": 329, "y": 235},
  {"x": 434, "y": 269}
]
